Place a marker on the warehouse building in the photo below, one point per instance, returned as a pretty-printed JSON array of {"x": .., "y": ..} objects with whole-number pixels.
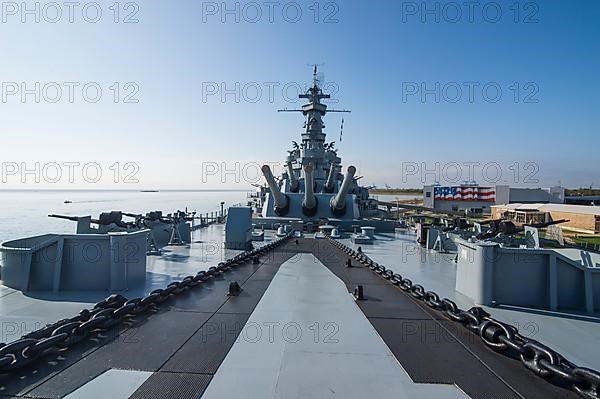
[
  {"x": 582, "y": 219},
  {"x": 474, "y": 199}
]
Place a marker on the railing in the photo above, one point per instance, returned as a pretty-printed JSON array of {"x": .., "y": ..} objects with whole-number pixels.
[{"x": 587, "y": 246}]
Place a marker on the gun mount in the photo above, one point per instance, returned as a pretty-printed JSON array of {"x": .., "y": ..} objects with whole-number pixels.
[
  {"x": 112, "y": 217},
  {"x": 506, "y": 228},
  {"x": 162, "y": 230},
  {"x": 457, "y": 224},
  {"x": 463, "y": 224}
]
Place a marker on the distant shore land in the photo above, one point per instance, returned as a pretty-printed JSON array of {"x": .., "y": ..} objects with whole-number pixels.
[
  {"x": 417, "y": 191},
  {"x": 397, "y": 191}
]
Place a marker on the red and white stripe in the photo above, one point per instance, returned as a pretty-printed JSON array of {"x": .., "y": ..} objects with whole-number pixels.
[
  {"x": 467, "y": 193},
  {"x": 458, "y": 195},
  {"x": 487, "y": 194}
]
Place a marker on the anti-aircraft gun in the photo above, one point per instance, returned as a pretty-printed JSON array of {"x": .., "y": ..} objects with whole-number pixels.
[
  {"x": 457, "y": 224},
  {"x": 463, "y": 225},
  {"x": 171, "y": 229},
  {"x": 181, "y": 232},
  {"x": 442, "y": 233},
  {"x": 505, "y": 232},
  {"x": 107, "y": 222}
]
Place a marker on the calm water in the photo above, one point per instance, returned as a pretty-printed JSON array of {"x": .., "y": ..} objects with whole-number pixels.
[{"x": 24, "y": 213}]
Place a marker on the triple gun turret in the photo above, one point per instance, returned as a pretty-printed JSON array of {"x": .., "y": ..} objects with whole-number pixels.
[{"x": 337, "y": 203}]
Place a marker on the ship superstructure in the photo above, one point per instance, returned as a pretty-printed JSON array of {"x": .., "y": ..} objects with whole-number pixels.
[{"x": 315, "y": 185}]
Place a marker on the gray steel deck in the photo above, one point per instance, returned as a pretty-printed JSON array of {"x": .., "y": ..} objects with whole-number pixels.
[
  {"x": 575, "y": 336},
  {"x": 176, "y": 351},
  {"x": 308, "y": 339}
]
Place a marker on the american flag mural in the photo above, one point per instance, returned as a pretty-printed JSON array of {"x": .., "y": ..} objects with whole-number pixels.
[{"x": 464, "y": 193}]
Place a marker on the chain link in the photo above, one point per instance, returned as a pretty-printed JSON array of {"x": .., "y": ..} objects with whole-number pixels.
[
  {"x": 108, "y": 313},
  {"x": 501, "y": 337}
]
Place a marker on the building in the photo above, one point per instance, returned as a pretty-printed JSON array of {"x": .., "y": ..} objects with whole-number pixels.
[
  {"x": 554, "y": 195},
  {"x": 582, "y": 199},
  {"x": 582, "y": 218},
  {"x": 475, "y": 199}
]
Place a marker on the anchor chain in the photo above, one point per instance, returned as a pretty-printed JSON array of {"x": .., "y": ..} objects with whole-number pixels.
[
  {"x": 501, "y": 337},
  {"x": 107, "y": 313}
]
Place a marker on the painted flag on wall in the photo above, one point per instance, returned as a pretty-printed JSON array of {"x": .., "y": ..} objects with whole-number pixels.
[{"x": 464, "y": 193}]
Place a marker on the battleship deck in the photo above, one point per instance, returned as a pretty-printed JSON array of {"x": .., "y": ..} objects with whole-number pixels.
[{"x": 200, "y": 341}]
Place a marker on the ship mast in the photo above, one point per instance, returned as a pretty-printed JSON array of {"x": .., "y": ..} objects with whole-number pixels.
[
  {"x": 312, "y": 149},
  {"x": 314, "y": 111}
]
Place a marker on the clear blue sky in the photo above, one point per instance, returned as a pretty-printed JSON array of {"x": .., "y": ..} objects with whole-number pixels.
[{"x": 375, "y": 55}]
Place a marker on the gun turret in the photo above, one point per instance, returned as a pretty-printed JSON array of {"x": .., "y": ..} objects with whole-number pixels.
[
  {"x": 338, "y": 203},
  {"x": 496, "y": 227},
  {"x": 458, "y": 223},
  {"x": 281, "y": 201},
  {"x": 294, "y": 186},
  {"x": 309, "y": 203},
  {"x": 154, "y": 215},
  {"x": 330, "y": 183},
  {"x": 112, "y": 217}
]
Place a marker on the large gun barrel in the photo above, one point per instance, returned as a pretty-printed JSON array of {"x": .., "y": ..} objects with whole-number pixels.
[
  {"x": 309, "y": 203},
  {"x": 132, "y": 215},
  {"x": 71, "y": 218},
  {"x": 490, "y": 221},
  {"x": 338, "y": 203},
  {"x": 546, "y": 224},
  {"x": 508, "y": 227},
  {"x": 293, "y": 180},
  {"x": 281, "y": 202},
  {"x": 330, "y": 183}
]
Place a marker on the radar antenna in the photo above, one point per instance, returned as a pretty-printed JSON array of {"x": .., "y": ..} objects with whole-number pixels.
[
  {"x": 318, "y": 77},
  {"x": 315, "y": 94}
]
